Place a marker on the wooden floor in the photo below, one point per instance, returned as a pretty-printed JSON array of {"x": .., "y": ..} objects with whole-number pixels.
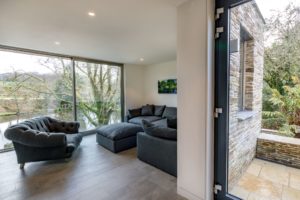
[{"x": 93, "y": 173}]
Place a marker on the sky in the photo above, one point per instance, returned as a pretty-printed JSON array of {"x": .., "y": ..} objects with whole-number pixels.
[
  {"x": 10, "y": 61},
  {"x": 267, "y": 6}
]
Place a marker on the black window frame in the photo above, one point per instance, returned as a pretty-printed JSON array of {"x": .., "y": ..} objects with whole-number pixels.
[
  {"x": 222, "y": 81},
  {"x": 73, "y": 59}
]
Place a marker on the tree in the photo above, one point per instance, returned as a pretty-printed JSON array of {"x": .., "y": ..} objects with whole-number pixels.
[
  {"x": 97, "y": 89},
  {"x": 102, "y": 98},
  {"x": 282, "y": 72}
]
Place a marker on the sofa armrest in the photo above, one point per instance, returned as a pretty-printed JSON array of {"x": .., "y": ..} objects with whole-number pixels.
[
  {"x": 158, "y": 152},
  {"x": 127, "y": 118},
  {"x": 23, "y": 135}
]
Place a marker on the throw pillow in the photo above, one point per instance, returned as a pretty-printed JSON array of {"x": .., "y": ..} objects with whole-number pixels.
[
  {"x": 172, "y": 122},
  {"x": 161, "y": 123},
  {"x": 159, "y": 110},
  {"x": 170, "y": 112},
  {"x": 160, "y": 132},
  {"x": 134, "y": 112},
  {"x": 147, "y": 110}
]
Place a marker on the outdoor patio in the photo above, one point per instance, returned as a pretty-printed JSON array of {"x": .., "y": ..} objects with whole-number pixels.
[{"x": 265, "y": 180}]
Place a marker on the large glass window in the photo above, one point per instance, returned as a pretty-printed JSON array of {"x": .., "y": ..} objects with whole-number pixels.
[
  {"x": 98, "y": 92},
  {"x": 36, "y": 85}
]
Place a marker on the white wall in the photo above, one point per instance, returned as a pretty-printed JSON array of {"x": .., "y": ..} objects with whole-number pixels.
[
  {"x": 195, "y": 120},
  {"x": 152, "y": 74},
  {"x": 141, "y": 84},
  {"x": 133, "y": 86}
]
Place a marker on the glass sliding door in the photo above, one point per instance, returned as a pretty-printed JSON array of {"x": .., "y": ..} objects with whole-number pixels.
[
  {"x": 238, "y": 92},
  {"x": 34, "y": 83},
  {"x": 32, "y": 86},
  {"x": 98, "y": 94},
  {"x": 257, "y": 100}
]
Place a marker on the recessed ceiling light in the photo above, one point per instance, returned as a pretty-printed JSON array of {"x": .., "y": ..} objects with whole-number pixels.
[
  {"x": 57, "y": 43},
  {"x": 92, "y": 14},
  {"x": 142, "y": 59}
]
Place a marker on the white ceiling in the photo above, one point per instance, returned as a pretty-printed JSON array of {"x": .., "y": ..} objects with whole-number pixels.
[{"x": 122, "y": 30}]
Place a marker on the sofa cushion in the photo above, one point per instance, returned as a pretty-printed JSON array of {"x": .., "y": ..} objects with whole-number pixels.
[
  {"x": 172, "y": 122},
  {"x": 147, "y": 110},
  {"x": 170, "y": 112},
  {"x": 138, "y": 120},
  {"x": 134, "y": 112},
  {"x": 161, "y": 123},
  {"x": 157, "y": 131},
  {"x": 119, "y": 130},
  {"x": 159, "y": 110}
]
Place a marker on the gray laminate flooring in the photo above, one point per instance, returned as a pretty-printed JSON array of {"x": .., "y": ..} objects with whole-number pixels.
[{"x": 92, "y": 173}]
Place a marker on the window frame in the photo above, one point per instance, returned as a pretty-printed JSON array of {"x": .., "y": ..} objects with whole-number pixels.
[
  {"x": 242, "y": 82},
  {"x": 245, "y": 37},
  {"x": 73, "y": 59}
]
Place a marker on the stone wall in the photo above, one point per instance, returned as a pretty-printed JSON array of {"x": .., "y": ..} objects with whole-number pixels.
[
  {"x": 245, "y": 126},
  {"x": 279, "y": 149}
]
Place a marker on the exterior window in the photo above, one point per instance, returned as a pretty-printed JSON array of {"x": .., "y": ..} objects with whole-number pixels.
[
  {"x": 246, "y": 70},
  {"x": 66, "y": 88},
  {"x": 243, "y": 49}
]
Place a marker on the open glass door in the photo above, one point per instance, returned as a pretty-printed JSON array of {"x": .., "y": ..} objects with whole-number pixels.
[
  {"x": 258, "y": 100},
  {"x": 239, "y": 80}
]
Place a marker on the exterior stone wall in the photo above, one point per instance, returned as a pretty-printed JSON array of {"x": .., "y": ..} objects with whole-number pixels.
[
  {"x": 279, "y": 149},
  {"x": 245, "y": 126}
]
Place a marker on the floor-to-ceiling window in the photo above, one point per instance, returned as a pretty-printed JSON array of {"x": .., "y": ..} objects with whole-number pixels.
[
  {"x": 98, "y": 94},
  {"x": 62, "y": 87}
]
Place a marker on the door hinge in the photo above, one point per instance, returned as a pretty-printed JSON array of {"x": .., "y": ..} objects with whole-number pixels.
[
  {"x": 217, "y": 188},
  {"x": 219, "y": 11},
  {"x": 218, "y": 31},
  {"x": 217, "y": 112}
]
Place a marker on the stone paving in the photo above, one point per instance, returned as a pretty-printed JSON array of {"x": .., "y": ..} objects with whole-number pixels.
[{"x": 265, "y": 180}]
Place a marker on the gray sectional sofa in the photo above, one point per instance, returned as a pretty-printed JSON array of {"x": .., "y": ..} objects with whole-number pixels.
[
  {"x": 157, "y": 144},
  {"x": 157, "y": 114},
  {"x": 159, "y": 152},
  {"x": 44, "y": 138}
]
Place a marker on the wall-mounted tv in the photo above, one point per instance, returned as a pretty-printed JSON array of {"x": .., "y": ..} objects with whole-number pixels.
[{"x": 167, "y": 86}]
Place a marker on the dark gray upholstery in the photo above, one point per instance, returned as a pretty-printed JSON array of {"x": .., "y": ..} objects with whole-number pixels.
[
  {"x": 119, "y": 130},
  {"x": 160, "y": 112},
  {"x": 116, "y": 145},
  {"x": 161, "y": 123},
  {"x": 158, "y": 152},
  {"x": 138, "y": 120},
  {"x": 147, "y": 110},
  {"x": 134, "y": 112},
  {"x": 118, "y": 137},
  {"x": 170, "y": 112},
  {"x": 44, "y": 138},
  {"x": 159, "y": 131}
]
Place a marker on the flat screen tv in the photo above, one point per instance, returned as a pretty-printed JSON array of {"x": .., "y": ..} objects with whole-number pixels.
[{"x": 167, "y": 86}]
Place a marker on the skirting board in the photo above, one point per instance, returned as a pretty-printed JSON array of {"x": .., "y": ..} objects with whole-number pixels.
[{"x": 187, "y": 194}]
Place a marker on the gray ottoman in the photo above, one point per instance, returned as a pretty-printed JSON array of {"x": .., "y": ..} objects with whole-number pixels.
[{"x": 118, "y": 137}]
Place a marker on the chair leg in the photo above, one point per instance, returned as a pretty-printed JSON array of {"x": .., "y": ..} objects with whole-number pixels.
[{"x": 22, "y": 165}]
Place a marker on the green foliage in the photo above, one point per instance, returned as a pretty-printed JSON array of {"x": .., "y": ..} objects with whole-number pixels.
[
  {"x": 97, "y": 91},
  {"x": 281, "y": 92}
]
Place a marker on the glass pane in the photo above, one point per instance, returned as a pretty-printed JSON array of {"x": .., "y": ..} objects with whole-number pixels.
[
  {"x": 98, "y": 92},
  {"x": 32, "y": 86},
  {"x": 264, "y": 130},
  {"x": 246, "y": 67}
]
